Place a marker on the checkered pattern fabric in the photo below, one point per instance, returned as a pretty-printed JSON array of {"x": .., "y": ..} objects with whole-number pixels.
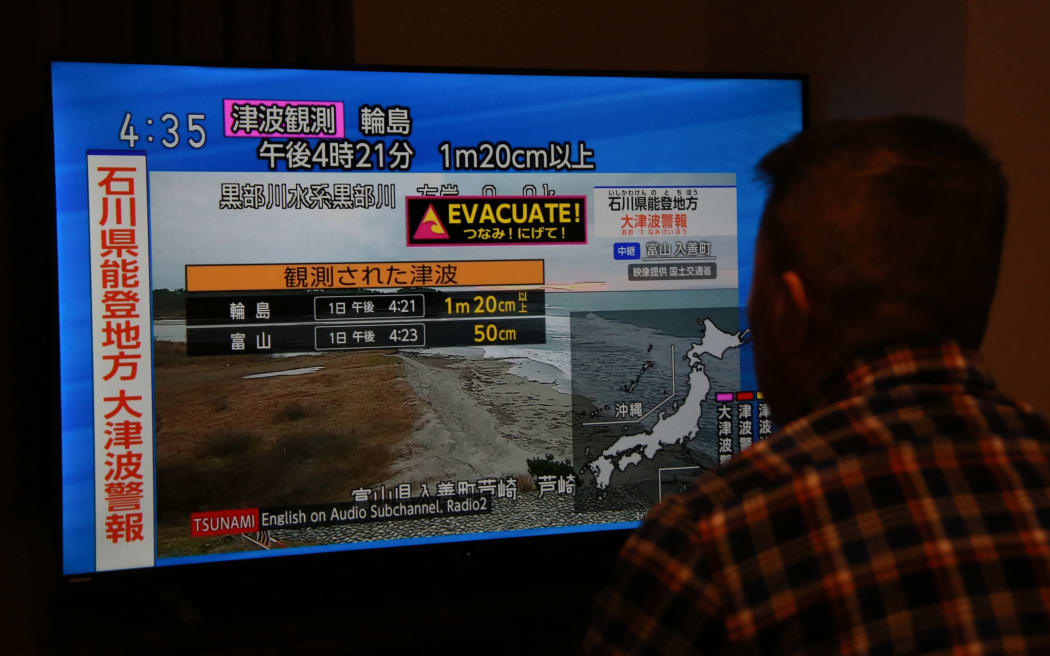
[{"x": 908, "y": 515}]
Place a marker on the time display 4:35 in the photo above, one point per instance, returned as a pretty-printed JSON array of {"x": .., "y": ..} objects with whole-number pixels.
[{"x": 170, "y": 130}]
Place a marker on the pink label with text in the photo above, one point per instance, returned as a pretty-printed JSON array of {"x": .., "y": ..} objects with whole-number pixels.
[{"x": 317, "y": 119}]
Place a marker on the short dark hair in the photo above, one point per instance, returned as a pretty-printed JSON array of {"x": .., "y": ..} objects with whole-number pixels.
[{"x": 895, "y": 225}]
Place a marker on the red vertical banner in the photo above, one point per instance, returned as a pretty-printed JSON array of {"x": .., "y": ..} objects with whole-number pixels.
[{"x": 122, "y": 357}]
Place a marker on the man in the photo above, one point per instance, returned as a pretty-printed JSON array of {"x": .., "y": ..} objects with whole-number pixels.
[{"x": 904, "y": 506}]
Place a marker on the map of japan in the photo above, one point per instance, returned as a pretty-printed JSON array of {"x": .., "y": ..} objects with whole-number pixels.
[{"x": 677, "y": 426}]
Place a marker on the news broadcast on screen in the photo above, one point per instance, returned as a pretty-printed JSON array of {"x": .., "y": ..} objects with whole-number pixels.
[{"x": 311, "y": 311}]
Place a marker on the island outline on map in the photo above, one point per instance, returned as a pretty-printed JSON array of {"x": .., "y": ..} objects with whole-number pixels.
[{"x": 675, "y": 428}]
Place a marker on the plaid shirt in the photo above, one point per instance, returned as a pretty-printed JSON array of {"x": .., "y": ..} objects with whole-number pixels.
[{"x": 909, "y": 514}]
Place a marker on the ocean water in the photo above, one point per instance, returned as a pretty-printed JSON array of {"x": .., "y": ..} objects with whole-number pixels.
[
  {"x": 640, "y": 355},
  {"x": 286, "y": 372},
  {"x": 169, "y": 330}
]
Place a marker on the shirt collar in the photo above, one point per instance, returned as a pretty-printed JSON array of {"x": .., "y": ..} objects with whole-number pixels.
[{"x": 945, "y": 364}]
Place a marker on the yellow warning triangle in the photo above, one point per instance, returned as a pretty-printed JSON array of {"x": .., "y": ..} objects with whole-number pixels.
[{"x": 431, "y": 226}]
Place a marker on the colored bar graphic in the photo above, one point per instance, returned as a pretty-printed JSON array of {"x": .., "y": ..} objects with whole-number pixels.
[
  {"x": 362, "y": 275},
  {"x": 745, "y": 396},
  {"x": 723, "y": 397}
]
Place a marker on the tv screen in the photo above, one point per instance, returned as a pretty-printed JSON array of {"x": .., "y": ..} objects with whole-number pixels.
[{"x": 311, "y": 311}]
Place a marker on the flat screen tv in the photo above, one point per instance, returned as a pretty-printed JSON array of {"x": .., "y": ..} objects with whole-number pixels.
[{"x": 307, "y": 311}]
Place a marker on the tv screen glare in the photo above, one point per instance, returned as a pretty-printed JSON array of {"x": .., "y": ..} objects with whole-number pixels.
[{"x": 312, "y": 311}]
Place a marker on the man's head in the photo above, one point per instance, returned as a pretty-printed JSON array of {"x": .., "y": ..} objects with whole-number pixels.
[{"x": 874, "y": 231}]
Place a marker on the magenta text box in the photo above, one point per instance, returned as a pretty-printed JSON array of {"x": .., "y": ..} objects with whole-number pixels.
[{"x": 228, "y": 119}]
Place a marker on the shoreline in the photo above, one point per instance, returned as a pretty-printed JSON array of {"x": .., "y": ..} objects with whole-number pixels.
[
  {"x": 362, "y": 420},
  {"x": 478, "y": 419}
]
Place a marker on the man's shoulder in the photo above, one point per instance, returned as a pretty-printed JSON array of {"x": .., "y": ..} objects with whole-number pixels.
[
  {"x": 841, "y": 443},
  {"x": 719, "y": 500},
  {"x": 855, "y": 500},
  {"x": 771, "y": 463}
]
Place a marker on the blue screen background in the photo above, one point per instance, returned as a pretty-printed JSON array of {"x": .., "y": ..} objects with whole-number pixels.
[{"x": 633, "y": 124}]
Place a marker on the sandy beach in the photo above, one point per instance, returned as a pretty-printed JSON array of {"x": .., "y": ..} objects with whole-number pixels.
[
  {"x": 230, "y": 436},
  {"x": 477, "y": 419}
]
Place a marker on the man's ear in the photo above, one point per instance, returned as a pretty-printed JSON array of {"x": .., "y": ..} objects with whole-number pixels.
[{"x": 796, "y": 311}]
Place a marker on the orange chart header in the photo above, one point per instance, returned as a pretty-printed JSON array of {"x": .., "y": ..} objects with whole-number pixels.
[{"x": 357, "y": 275}]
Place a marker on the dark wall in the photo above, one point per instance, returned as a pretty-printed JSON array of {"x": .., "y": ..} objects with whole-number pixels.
[
  {"x": 1007, "y": 103},
  {"x": 864, "y": 58},
  {"x": 943, "y": 57}
]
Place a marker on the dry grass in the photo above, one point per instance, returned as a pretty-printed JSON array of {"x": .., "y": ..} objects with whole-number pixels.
[
  {"x": 169, "y": 355},
  {"x": 291, "y": 412},
  {"x": 238, "y": 470},
  {"x": 525, "y": 483},
  {"x": 230, "y": 443},
  {"x": 226, "y": 442}
]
